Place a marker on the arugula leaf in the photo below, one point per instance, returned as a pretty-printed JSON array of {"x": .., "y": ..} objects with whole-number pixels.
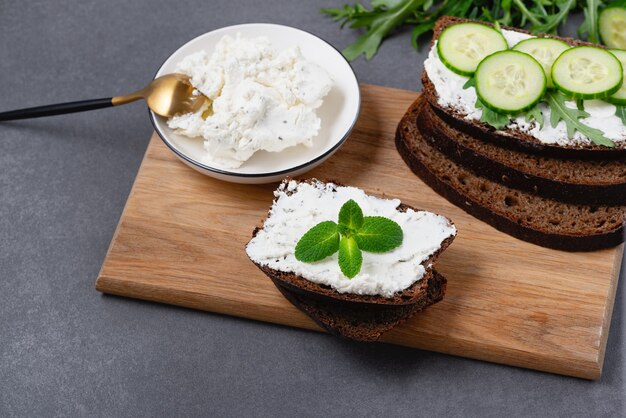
[
  {"x": 535, "y": 114},
  {"x": 386, "y": 3},
  {"x": 350, "y": 257},
  {"x": 382, "y": 17},
  {"x": 620, "y": 112},
  {"x": 351, "y": 216},
  {"x": 318, "y": 243},
  {"x": 560, "y": 112},
  {"x": 379, "y": 26},
  {"x": 495, "y": 119},
  {"x": 590, "y": 24},
  {"x": 419, "y": 30},
  {"x": 552, "y": 21},
  {"x": 378, "y": 235},
  {"x": 471, "y": 82}
]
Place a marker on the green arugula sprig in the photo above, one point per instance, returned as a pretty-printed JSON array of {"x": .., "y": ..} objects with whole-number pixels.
[
  {"x": 351, "y": 235},
  {"x": 590, "y": 24},
  {"x": 488, "y": 116},
  {"x": 558, "y": 112},
  {"x": 383, "y": 17},
  {"x": 535, "y": 114}
]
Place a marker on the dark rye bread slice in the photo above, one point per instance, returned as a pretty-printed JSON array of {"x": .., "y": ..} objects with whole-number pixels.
[
  {"x": 356, "y": 323},
  {"x": 510, "y": 138},
  {"x": 543, "y": 221},
  {"x": 321, "y": 292},
  {"x": 572, "y": 180}
]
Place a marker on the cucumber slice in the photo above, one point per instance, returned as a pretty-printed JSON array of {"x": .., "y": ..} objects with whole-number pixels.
[
  {"x": 619, "y": 97},
  {"x": 510, "y": 82},
  {"x": 587, "y": 72},
  {"x": 462, "y": 46},
  {"x": 612, "y": 27},
  {"x": 544, "y": 50}
]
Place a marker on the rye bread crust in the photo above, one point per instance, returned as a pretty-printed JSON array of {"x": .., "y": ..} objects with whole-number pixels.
[
  {"x": 507, "y": 137},
  {"x": 354, "y": 322},
  {"x": 301, "y": 286},
  {"x": 423, "y": 159},
  {"x": 600, "y": 182}
]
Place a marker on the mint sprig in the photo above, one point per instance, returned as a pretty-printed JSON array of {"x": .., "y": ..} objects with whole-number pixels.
[
  {"x": 378, "y": 235},
  {"x": 319, "y": 242},
  {"x": 353, "y": 234},
  {"x": 350, "y": 257},
  {"x": 350, "y": 216}
]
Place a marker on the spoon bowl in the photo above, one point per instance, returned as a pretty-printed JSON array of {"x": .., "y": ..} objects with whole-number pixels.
[{"x": 168, "y": 95}]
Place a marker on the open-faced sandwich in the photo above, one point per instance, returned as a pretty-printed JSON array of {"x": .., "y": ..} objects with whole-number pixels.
[
  {"x": 526, "y": 133},
  {"x": 358, "y": 265}
]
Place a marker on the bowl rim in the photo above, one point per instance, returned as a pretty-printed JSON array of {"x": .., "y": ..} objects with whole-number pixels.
[{"x": 223, "y": 172}]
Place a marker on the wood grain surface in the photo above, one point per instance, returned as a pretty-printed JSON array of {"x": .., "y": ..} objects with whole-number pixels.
[{"x": 181, "y": 241}]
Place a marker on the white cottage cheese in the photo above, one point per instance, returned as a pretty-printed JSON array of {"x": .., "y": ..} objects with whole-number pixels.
[
  {"x": 263, "y": 99},
  {"x": 300, "y": 206},
  {"x": 450, "y": 92}
]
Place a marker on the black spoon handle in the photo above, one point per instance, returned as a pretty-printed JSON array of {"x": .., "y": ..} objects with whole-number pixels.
[{"x": 56, "y": 109}]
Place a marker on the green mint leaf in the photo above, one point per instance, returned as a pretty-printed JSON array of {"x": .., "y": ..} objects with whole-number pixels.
[
  {"x": 378, "y": 235},
  {"x": 560, "y": 112},
  {"x": 535, "y": 114},
  {"x": 350, "y": 216},
  {"x": 471, "y": 82},
  {"x": 350, "y": 257},
  {"x": 620, "y": 112},
  {"x": 318, "y": 242},
  {"x": 495, "y": 119}
]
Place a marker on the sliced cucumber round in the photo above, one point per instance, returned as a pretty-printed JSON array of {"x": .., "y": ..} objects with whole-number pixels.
[
  {"x": 544, "y": 50},
  {"x": 510, "y": 82},
  {"x": 612, "y": 27},
  {"x": 619, "y": 97},
  {"x": 587, "y": 72},
  {"x": 462, "y": 46}
]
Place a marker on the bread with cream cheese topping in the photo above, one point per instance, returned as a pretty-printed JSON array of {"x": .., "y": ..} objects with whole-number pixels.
[
  {"x": 510, "y": 137},
  {"x": 353, "y": 315}
]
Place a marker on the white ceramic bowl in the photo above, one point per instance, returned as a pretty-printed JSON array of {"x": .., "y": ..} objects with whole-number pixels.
[{"x": 338, "y": 113}]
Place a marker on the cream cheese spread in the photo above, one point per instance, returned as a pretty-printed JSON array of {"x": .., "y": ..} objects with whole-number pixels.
[
  {"x": 300, "y": 206},
  {"x": 450, "y": 92},
  {"x": 262, "y": 99}
]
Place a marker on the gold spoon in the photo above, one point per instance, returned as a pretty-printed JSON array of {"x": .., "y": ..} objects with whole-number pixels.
[{"x": 168, "y": 95}]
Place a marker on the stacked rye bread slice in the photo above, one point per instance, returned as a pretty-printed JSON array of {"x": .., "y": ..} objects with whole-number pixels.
[
  {"x": 390, "y": 287},
  {"x": 554, "y": 192}
]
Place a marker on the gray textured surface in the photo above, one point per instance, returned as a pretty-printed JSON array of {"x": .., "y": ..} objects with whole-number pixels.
[{"x": 67, "y": 350}]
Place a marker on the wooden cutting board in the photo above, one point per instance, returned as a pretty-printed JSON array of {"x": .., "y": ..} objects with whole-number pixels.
[{"x": 181, "y": 241}]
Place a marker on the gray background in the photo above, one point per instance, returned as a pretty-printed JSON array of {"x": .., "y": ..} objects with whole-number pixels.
[{"x": 67, "y": 350}]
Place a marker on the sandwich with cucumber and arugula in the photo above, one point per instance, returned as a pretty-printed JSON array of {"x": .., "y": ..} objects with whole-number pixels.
[{"x": 527, "y": 133}]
